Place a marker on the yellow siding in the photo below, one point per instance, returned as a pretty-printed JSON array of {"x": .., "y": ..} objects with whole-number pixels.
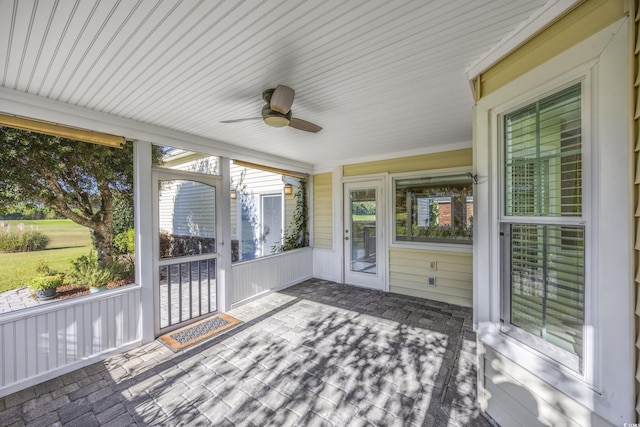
[
  {"x": 409, "y": 271},
  {"x": 583, "y": 21},
  {"x": 322, "y": 211},
  {"x": 446, "y": 159},
  {"x": 515, "y": 397}
]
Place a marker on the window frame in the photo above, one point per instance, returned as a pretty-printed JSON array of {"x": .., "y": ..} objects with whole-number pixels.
[
  {"x": 440, "y": 246},
  {"x": 606, "y": 388},
  {"x": 582, "y": 368}
]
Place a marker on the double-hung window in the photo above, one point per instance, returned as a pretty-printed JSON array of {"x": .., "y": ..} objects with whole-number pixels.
[{"x": 543, "y": 227}]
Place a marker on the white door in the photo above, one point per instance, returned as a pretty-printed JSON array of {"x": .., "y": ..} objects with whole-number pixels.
[
  {"x": 186, "y": 233},
  {"x": 364, "y": 244}
]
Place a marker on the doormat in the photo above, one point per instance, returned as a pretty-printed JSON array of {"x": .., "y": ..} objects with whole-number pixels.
[{"x": 199, "y": 331}]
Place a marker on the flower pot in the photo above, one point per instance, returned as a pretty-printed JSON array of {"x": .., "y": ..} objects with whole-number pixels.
[{"x": 46, "y": 294}]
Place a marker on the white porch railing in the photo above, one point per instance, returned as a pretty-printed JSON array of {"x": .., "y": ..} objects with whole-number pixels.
[
  {"x": 40, "y": 343},
  {"x": 43, "y": 342},
  {"x": 252, "y": 279}
]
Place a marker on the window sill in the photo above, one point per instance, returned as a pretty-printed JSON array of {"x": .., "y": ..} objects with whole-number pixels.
[{"x": 548, "y": 370}]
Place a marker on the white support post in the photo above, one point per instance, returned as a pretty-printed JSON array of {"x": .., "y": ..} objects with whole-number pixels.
[
  {"x": 142, "y": 186},
  {"x": 338, "y": 225},
  {"x": 224, "y": 280}
]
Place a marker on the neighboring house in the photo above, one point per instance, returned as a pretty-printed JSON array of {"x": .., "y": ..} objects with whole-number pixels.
[
  {"x": 260, "y": 210},
  {"x": 543, "y": 244},
  {"x": 262, "y": 204}
]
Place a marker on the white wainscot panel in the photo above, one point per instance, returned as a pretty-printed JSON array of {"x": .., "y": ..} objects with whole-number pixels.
[
  {"x": 258, "y": 277},
  {"x": 40, "y": 343}
]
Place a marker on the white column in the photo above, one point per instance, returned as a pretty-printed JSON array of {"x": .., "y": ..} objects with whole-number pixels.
[
  {"x": 338, "y": 225},
  {"x": 225, "y": 278},
  {"x": 142, "y": 185}
]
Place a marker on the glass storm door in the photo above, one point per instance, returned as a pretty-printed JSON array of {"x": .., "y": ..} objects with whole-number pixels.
[
  {"x": 185, "y": 248},
  {"x": 363, "y": 246}
]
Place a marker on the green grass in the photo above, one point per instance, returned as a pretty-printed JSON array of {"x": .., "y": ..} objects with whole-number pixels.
[
  {"x": 363, "y": 218},
  {"x": 68, "y": 241}
]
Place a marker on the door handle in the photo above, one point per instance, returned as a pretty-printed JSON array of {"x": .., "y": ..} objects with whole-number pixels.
[{"x": 346, "y": 238}]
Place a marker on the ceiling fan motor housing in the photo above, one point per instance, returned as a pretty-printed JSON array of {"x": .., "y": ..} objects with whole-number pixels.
[{"x": 267, "y": 94}]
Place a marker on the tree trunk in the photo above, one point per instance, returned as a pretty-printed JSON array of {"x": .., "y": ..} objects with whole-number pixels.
[{"x": 104, "y": 244}]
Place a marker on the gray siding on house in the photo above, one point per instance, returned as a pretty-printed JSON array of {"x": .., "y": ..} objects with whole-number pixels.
[
  {"x": 251, "y": 186},
  {"x": 187, "y": 208}
]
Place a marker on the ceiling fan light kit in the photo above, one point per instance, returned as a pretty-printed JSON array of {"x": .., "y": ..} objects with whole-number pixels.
[
  {"x": 274, "y": 118},
  {"x": 276, "y": 121},
  {"x": 277, "y": 111}
]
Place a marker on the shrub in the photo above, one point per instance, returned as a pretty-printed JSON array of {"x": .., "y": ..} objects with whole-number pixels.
[
  {"x": 87, "y": 271},
  {"x": 40, "y": 283},
  {"x": 124, "y": 243},
  {"x": 43, "y": 268},
  {"x": 122, "y": 211},
  {"x": 22, "y": 240},
  {"x": 28, "y": 211}
]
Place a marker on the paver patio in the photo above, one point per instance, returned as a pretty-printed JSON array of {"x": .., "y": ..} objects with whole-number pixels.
[{"x": 315, "y": 354}]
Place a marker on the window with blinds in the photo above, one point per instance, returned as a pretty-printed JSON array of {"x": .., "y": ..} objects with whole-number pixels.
[{"x": 543, "y": 228}]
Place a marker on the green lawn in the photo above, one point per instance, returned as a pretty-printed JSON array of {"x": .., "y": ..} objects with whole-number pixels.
[
  {"x": 363, "y": 218},
  {"x": 68, "y": 241}
]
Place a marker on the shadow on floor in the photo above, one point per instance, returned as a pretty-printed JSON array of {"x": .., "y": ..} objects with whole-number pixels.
[{"x": 318, "y": 353}]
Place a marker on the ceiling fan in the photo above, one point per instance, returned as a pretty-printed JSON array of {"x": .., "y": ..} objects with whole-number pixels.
[{"x": 277, "y": 111}]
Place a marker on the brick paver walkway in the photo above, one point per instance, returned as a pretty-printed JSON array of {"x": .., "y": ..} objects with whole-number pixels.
[
  {"x": 16, "y": 299},
  {"x": 316, "y": 354}
]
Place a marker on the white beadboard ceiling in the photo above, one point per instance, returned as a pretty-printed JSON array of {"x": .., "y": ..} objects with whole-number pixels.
[{"x": 382, "y": 77}]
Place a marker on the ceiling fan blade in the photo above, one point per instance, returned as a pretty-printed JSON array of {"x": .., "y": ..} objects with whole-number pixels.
[
  {"x": 241, "y": 120},
  {"x": 304, "y": 125},
  {"x": 282, "y": 99}
]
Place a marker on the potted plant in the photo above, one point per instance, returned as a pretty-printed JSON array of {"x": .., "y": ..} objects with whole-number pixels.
[{"x": 45, "y": 287}]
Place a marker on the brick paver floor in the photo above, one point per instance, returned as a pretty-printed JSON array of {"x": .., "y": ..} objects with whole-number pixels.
[{"x": 316, "y": 354}]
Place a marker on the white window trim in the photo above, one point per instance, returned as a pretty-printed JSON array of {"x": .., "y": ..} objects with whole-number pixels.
[
  {"x": 435, "y": 246},
  {"x": 552, "y": 358},
  {"x": 571, "y": 364},
  {"x": 607, "y": 386}
]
